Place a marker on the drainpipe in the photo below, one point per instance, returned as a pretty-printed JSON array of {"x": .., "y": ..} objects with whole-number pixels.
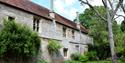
[
  {"x": 52, "y": 15},
  {"x": 78, "y": 26}
]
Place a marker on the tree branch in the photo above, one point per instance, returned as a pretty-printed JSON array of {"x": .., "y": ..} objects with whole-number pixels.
[
  {"x": 112, "y": 8},
  {"x": 106, "y": 6},
  {"x": 117, "y": 7},
  {"x": 113, "y": 11},
  {"x": 111, "y": 5},
  {"x": 123, "y": 8},
  {"x": 103, "y": 1},
  {"x": 83, "y": 2},
  {"x": 119, "y": 16}
]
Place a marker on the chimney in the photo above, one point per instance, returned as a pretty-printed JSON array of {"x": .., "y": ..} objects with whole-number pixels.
[
  {"x": 77, "y": 21},
  {"x": 51, "y": 5},
  {"x": 52, "y": 14}
]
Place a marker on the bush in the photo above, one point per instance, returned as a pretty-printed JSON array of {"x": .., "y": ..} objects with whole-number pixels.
[
  {"x": 101, "y": 51},
  {"x": 18, "y": 40},
  {"x": 92, "y": 55},
  {"x": 79, "y": 57},
  {"x": 83, "y": 58},
  {"x": 54, "y": 46},
  {"x": 75, "y": 56}
]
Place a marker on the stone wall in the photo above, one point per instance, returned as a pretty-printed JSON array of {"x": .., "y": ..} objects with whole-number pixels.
[{"x": 46, "y": 32}]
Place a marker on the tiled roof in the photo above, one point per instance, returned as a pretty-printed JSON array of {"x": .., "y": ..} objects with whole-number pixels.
[{"x": 31, "y": 7}]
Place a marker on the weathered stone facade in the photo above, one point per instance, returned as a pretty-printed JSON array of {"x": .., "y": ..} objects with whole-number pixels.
[{"x": 46, "y": 32}]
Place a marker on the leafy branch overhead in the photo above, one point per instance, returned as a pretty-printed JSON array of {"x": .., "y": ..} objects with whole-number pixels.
[{"x": 104, "y": 3}]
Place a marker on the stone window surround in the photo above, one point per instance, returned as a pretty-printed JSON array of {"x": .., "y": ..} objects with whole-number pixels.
[
  {"x": 64, "y": 31},
  {"x": 36, "y": 23}
]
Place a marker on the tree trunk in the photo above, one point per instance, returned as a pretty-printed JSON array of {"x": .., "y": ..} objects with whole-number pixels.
[{"x": 111, "y": 40}]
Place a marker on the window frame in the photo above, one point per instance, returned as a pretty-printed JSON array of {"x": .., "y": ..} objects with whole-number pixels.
[
  {"x": 65, "y": 52},
  {"x": 64, "y": 31},
  {"x": 36, "y": 23},
  {"x": 73, "y": 34}
]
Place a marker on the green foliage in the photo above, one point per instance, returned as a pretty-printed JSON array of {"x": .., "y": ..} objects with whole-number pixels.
[
  {"x": 102, "y": 61},
  {"x": 105, "y": 61},
  {"x": 54, "y": 46},
  {"x": 99, "y": 52},
  {"x": 41, "y": 61},
  {"x": 123, "y": 26},
  {"x": 79, "y": 57},
  {"x": 119, "y": 42},
  {"x": 75, "y": 56},
  {"x": 18, "y": 39},
  {"x": 119, "y": 39},
  {"x": 72, "y": 61},
  {"x": 99, "y": 31},
  {"x": 89, "y": 18},
  {"x": 83, "y": 58},
  {"x": 92, "y": 55}
]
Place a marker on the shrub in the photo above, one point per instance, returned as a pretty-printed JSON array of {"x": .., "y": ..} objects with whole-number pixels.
[
  {"x": 79, "y": 57},
  {"x": 92, "y": 55},
  {"x": 54, "y": 46},
  {"x": 75, "y": 56},
  {"x": 83, "y": 58},
  {"x": 18, "y": 39},
  {"x": 101, "y": 51}
]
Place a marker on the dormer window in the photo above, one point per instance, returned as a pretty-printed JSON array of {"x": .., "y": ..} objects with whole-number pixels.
[
  {"x": 36, "y": 22},
  {"x": 64, "y": 31}
]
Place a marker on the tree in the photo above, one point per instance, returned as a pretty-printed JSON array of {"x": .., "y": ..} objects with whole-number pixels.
[
  {"x": 110, "y": 13},
  {"x": 18, "y": 39},
  {"x": 98, "y": 30},
  {"x": 88, "y": 18},
  {"x": 123, "y": 26},
  {"x": 119, "y": 42}
]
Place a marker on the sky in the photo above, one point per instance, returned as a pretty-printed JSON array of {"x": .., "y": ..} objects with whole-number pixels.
[{"x": 68, "y": 8}]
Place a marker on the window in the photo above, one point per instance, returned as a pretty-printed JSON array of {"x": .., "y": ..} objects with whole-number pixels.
[
  {"x": 36, "y": 24},
  {"x": 65, "y": 50},
  {"x": 64, "y": 31},
  {"x": 11, "y": 18},
  {"x": 77, "y": 47},
  {"x": 73, "y": 34}
]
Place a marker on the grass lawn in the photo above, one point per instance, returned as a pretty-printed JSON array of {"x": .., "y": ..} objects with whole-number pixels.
[
  {"x": 119, "y": 61},
  {"x": 100, "y": 61}
]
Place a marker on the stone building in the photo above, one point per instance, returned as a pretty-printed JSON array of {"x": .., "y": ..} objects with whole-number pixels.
[{"x": 38, "y": 19}]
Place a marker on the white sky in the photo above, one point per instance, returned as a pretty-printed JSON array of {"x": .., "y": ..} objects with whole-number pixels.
[{"x": 68, "y": 8}]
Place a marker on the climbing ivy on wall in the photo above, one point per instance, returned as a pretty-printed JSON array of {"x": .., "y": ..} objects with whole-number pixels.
[
  {"x": 54, "y": 46},
  {"x": 18, "y": 39}
]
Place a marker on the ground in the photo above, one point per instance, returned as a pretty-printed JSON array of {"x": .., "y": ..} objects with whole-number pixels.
[{"x": 104, "y": 61}]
